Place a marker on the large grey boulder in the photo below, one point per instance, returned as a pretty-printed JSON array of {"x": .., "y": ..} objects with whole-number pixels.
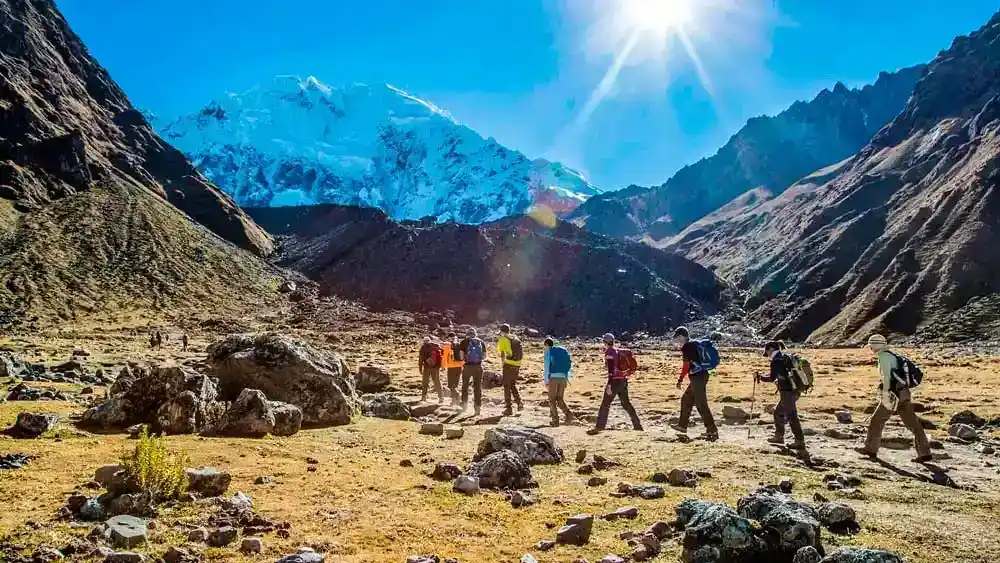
[
  {"x": 303, "y": 557},
  {"x": 287, "y": 419},
  {"x": 180, "y": 414},
  {"x": 250, "y": 416},
  {"x": 33, "y": 425},
  {"x": 176, "y": 396},
  {"x": 372, "y": 379},
  {"x": 286, "y": 370},
  {"x": 502, "y": 470},
  {"x": 792, "y": 525},
  {"x": 715, "y": 533},
  {"x": 384, "y": 405},
  {"x": 7, "y": 365},
  {"x": 530, "y": 445},
  {"x": 861, "y": 555},
  {"x": 125, "y": 531},
  {"x": 111, "y": 413}
]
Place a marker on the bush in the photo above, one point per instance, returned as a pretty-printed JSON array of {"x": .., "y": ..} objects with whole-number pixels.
[{"x": 156, "y": 471}]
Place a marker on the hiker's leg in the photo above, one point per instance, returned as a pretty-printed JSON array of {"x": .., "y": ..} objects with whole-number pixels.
[
  {"x": 700, "y": 385},
  {"x": 789, "y": 399},
  {"x": 553, "y": 400},
  {"x": 425, "y": 379},
  {"x": 607, "y": 395},
  {"x": 687, "y": 403},
  {"x": 508, "y": 385},
  {"x": 779, "y": 421},
  {"x": 515, "y": 373},
  {"x": 466, "y": 379},
  {"x": 622, "y": 393},
  {"x": 562, "y": 401},
  {"x": 910, "y": 419},
  {"x": 454, "y": 375},
  {"x": 477, "y": 386},
  {"x": 436, "y": 376},
  {"x": 874, "y": 440}
]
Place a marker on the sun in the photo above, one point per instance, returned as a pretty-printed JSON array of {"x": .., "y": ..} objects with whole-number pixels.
[{"x": 661, "y": 17}]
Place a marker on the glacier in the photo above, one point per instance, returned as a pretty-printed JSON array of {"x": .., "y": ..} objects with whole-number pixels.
[{"x": 298, "y": 141}]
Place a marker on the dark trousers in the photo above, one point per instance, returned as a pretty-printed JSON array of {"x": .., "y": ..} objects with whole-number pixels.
[
  {"x": 510, "y": 374},
  {"x": 472, "y": 373},
  {"x": 787, "y": 413},
  {"x": 429, "y": 375},
  {"x": 904, "y": 409},
  {"x": 696, "y": 395},
  {"x": 454, "y": 377},
  {"x": 617, "y": 388}
]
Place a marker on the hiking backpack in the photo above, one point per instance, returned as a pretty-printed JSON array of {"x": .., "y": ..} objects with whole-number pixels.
[
  {"x": 434, "y": 360},
  {"x": 800, "y": 372},
  {"x": 516, "y": 350},
  {"x": 626, "y": 363},
  {"x": 906, "y": 374},
  {"x": 475, "y": 350},
  {"x": 708, "y": 355}
]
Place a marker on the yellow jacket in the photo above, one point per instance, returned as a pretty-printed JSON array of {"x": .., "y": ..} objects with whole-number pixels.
[
  {"x": 448, "y": 360},
  {"x": 503, "y": 347}
]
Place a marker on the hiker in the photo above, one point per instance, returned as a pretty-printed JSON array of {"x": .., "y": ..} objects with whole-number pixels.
[
  {"x": 696, "y": 394},
  {"x": 511, "y": 352},
  {"x": 429, "y": 361},
  {"x": 617, "y": 385},
  {"x": 473, "y": 353},
  {"x": 785, "y": 412},
  {"x": 152, "y": 341},
  {"x": 184, "y": 342},
  {"x": 557, "y": 367},
  {"x": 452, "y": 362},
  {"x": 159, "y": 340},
  {"x": 894, "y": 397}
]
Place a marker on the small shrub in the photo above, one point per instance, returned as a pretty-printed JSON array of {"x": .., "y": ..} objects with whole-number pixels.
[{"x": 156, "y": 471}]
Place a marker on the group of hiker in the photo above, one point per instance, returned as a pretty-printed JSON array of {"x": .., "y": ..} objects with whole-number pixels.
[
  {"x": 158, "y": 338},
  {"x": 791, "y": 373}
]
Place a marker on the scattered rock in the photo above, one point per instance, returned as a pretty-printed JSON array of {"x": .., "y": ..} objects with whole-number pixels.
[
  {"x": 967, "y": 417},
  {"x": 179, "y": 555},
  {"x": 844, "y": 417},
  {"x": 263, "y": 480},
  {"x": 581, "y": 456},
  {"x": 964, "y": 432},
  {"x": 585, "y": 469},
  {"x": 861, "y": 555},
  {"x": 682, "y": 478},
  {"x": 807, "y": 554},
  {"x": 125, "y": 531},
  {"x": 786, "y": 485},
  {"x": 502, "y": 470},
  {"x": 250, "y": 416},
  {"x": 13, "y": 460},
  {"x": 839, "y": 518},
  {"x": 624, "y": 513},
  {"x": 897, "y": 443},
  {"x": 303, "y": 557},
  {"x": 384, "y": 405},
  {"x": 198, "y": 535},
  {"x": 405, "y": 463},
  {"x": 519, "y": 499},
  {"x": 530, "y": 445},
  {"x": 454, "y": 432},
  {"x": 734, "y": 414},
  {"x": 597, "y": 481},
  {"x": 287, "y": 419},
  {"x": 576, "y": 531},
  {"x": 838, "y": 434},
  {"x": 208, "y": 481},
  {"x": 252, "y": 546},
  {"x": 445, "y": 471},
  {"x": 545, "y": 545},
  {"x": 372, "y": 379},
  {"x": 432, "y": 428},
  {"x": 465, "y": 484},
  {"x": 528, "y": 558},
  {"x": 124, "y": 557},
  {"x": 32, "y": 425},
  {"x": 610, "y": 558}
]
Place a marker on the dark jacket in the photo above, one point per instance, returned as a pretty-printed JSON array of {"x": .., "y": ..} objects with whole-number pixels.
[
  {"x": 425, "y": 352},
  {"x": 781, "y": 372}
]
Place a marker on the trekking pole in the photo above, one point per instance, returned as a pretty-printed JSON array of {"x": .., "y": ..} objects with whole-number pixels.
[{"x": 753, "y": 402}]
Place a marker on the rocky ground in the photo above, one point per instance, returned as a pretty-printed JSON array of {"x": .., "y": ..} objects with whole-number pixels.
[{"x": 363, "y": 491}]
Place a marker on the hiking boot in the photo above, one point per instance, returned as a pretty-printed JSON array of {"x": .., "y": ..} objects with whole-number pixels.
[
  {"x": 678, "y": 428},
  {"x": 866, "y": 452},
  {"x": 476, "y": 412},
  {"x": 778, "y": 440},
  {"x": 923, "y": 459},
  {"x": 797, "y": 445},
  {"x": 554, "y": 424},
  {"x": 709, "y": 437},
  {"x": 520, "y": 407},
  {"x": 638, "y": 429},
  {"x": 508, "y": 411},
  {"x": 594, "y": 431},
  {"x": 423, "y": 398}
]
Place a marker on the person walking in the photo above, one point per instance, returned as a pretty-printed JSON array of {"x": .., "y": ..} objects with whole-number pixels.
[
  {"x": 184, "y": 342},
  {"x": 557, "y": 364},
  {"x": 430, "y": 357},
  {"x": 473, "y": 353},
  {"x": 894, "y": 398},
  {"x": 696, "y": 394},
  {"x": 616, "y": 386},
  {"x": 452, "y": 362},
  {"x": 511, "y": 353},
  {"x": 786, "y": 411}
]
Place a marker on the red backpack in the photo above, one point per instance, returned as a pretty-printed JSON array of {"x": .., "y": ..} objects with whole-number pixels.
[
  {"x": 627, "y": 365},
  {"x": 437, "y": 356}
]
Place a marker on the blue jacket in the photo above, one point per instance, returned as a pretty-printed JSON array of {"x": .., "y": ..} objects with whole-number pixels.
[{"x": 557, "y": 363}]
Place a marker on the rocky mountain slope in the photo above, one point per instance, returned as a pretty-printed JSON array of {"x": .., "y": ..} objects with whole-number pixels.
[
  {"x": 96, "y": 211},
  {"x": 901, "y": 237},
  {"x": 562, "y": 280},
  {"x": 768, "y": 153},
  {"x": 300, "y": 142}
]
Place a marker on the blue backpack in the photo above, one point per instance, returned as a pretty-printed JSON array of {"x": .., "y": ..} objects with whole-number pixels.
[
  {"x": 708, "y": 356},
  {"x": 559, "y": 360},
  {"x": 475, "y": 351}
]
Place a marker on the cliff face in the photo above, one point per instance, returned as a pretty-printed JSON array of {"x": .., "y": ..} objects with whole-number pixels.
[{"x": 769, "y": 153}]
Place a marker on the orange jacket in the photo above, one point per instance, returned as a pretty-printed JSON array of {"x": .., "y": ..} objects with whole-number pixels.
[{"x": 448, "y": 360}]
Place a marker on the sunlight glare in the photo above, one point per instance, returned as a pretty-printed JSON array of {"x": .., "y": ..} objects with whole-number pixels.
[{"x": 658, "y": 16}]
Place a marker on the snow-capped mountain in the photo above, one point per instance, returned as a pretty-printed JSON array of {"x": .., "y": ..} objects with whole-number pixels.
[{"x": 301, "y": 142}]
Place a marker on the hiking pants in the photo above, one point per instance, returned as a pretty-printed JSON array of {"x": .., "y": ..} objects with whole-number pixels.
[
  {"x": 617, "y": 388},
  {"x": 454, "y": 376},
  {"x": 431, "y": 374},
  {"x": 472, "y": 373},
  {"x": 510, "y": 374},
  {"x": 787, "y": 413},
  {"x": 557, "y": 388},
  {"x": 696, "y": 395},
  {"x": 905, "y": 411}
]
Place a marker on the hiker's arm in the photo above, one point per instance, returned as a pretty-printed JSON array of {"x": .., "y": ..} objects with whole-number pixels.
[
  {"x": 545, "y": 361},
  {"x": 885, "y": 364},
  {"x": 609, "y": 362},
  {"x": 773, "y": 375}
]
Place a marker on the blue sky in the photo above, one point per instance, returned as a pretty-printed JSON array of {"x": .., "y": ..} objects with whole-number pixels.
[{"x": 523, "y": 70}]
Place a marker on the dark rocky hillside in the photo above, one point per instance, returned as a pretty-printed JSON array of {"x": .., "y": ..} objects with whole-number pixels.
[
  {"x": 562, "y": 280},
  {"x": 901, "y": 238},
  {"x": 769, "y": 153},
  {"x": 96, "y": 211}
]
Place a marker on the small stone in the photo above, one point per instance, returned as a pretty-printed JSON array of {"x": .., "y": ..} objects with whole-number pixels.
[
  {"x": 125, "y": 557},
  {"x": 985, "y": 449},
  {"x": 838, "y": 434},
  {"x": 786, "y": 485},
  {"x": 252, "y": 546},
  {"x": 807, "y": 554},
  {"x": 576, "y": 531},
  {"x": 312, "y": 461},
  {"x": 844, "y": 417},
  {"x": 838, "y": 517},
  {"x": 303, "y": 557},
  {"x": 597, "y": 481},
  {"x": 969, "y": 418},
  {"x": 125, "y": 531},
  {"x": 432, "y": 428},
  {"x": 585, "y": 469},
  {"x": 445, "y": 471},
  {"x": 528, "y": 558},
  {"x": 197, "y": 535},
  {"x": 654, "y": 492},
  {"x": 610, "y": 558},
  {"x": 680, "y": 477},
  {"x": 581, "y": 456},
  {"x": 519, "y": 499},
  {"x": 897, "y": 443},
  {"x": 311, "y": 469},
  {"x": 405, "y": 463},
  {"x": 963, "y": 432},
  {"x": 659, "y": 477},
  {"x": 545, "y": 545},
  {"x": 222, "y": 537},
  {"x": 263, "y": 480},
  {"x": 734, "y": 414},
  {"x": 659, "y": 529},
  {"x": 466, "y": 485},
  {"x": 627, "y": 513},
  {"x": 178, "y": 555},
  {"x": 454, "y": 432}
]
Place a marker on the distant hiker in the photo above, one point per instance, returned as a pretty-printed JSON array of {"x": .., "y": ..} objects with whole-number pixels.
[
  {"x": 159, "y": 339},
  {"x": 782, "y": 374},
  {"x": 697, "y": 368},
  {"x": 511, "y": 352},
  {"x": 620, "y": 366},
  {"x": 452, "y": 363},
  {"x": 184, "y": 342},
  {"x": 473, "y": 353},
  {"x": 152, "y": 341},
  {"x": 557, "y": 368},
  {"x": 897, "y": 377},
  {"x": 430, "y": 358}
]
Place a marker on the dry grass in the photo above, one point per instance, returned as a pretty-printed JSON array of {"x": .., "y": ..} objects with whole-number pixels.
[{"x": 361, "y": 506}]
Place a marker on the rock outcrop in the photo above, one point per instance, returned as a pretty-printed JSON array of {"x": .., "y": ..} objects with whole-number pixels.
[
  {"x": 531, "y": 446},
  {"x": 502, "y": 470}
]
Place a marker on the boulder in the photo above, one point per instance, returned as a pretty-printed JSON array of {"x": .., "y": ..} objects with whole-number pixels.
[
  {"x": 454, "y": 432},
  {"x": 519, "y": 499},
  {"x": 286, "y": 370},
  {"x": 530, "y": 445},
  {"x": 964, "y": 432},
  {"x": 734, "y": 414},
  {"x": 179, "y": 415},
  {"x": 208, "y": 481},
  {"x": 33, "y": 425},
  {"x": 445, "y": 471},
  {"x": 250, "y": 416},
  {"x": 384, "y": 405},
  {"x": 221, "y": 537},
  {"x": 153, "y": 395},
  {"x": 844, "y": 417},
  {"x": 105, "y": 474},
  {"x": 432, "y": 428},
  {"x": 252, "y": 546},
  {"x": 838, "y": 517},
  {"x": 713, "y": 532},
  {"x": 795, "y": 525},
  {"x": 303, "y": 557},
  {"x": 576, "y": 531},
  {"x": 287, "y": 419},
  {"x": 807, "y": 554},
  {"x": 466, "y": 484},
  {"x": 372, "y": 379},
  {"x": 967, "y": 417},
  {"x": 124, "y": 557},
  {"x": 861, "y": 555},
  {"x": 502, "y": 470},
  {"x": 125, "y": 531},
  {"x": 112, "y": 413}
]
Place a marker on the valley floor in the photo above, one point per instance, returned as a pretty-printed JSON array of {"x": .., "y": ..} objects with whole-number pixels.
[{"x": 361, "y": 505}]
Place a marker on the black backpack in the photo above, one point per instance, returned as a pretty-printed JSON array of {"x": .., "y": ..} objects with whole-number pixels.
[
  {"x": 516, "y": 350},
  {"x": 906, "y": 374}
]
